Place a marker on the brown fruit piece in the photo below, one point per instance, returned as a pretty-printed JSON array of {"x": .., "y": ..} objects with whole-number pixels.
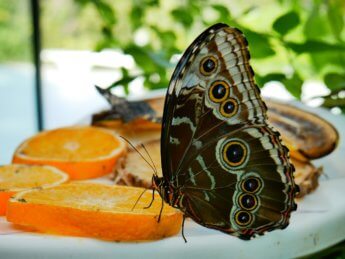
[{"x": 306, "y": 135}]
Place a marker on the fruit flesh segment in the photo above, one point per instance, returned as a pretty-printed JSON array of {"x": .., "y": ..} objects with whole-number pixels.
[{"x": 71, "y": 145}]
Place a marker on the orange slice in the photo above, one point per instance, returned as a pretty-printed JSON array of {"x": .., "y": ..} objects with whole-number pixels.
[
  {"x": 16, "y": 178},
  {"x": 94, "y": 210},
  {"x": 82, "y": 152}
]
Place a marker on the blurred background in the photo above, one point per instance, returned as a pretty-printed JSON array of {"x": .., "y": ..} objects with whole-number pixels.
[{"x": 297, "y": 49}]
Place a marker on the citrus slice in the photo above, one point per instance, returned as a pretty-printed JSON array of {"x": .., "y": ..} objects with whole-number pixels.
[
  {"x": 94, "y": 210},
  {"x": 16, "y": 178},
  {"x": 82, "y": 152}
]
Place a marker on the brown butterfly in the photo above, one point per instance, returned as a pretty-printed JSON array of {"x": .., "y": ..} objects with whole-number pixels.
[{"x": 223, "y": 165}]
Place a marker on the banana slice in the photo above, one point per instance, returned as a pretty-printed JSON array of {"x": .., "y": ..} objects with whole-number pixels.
[{"x": 306, "y": 135}]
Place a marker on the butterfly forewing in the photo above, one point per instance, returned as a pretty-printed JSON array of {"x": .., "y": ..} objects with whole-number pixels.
[{"x": 229, "y": 168}]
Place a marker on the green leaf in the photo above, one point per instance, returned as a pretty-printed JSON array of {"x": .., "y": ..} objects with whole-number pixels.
[
  {"x": 286, "y": 22},
  {"x": 136, "y": 15},
  {"x": 312, "y": 46},
  {"x": 106, "y": 11},
  {"x": 154, "y": 84},
  {"x": 151, "y": 2},
  {"x": 141, "y": 57},
  {"x": 195, "y": 7},
  {"x": 148, "y": 60},
  {"x": 335, "y": 81},
  {"x": 336, "y": 16},
  {"x": 224, "y": 13},
  {"x": 331, "y": 102},
  {"x": 249, "y": 10},
  {"x": 322, "y": 62},
  {"x": 183, "y": 16},
  {"x": 294, "y": 85},
  {"x": 168, "y": 40},
  {"x": 163, "y": 83},
  {"x": 107, "y": 32},
  {"x": 316, "y": 25},
  {"x": 159, "y": 59},
  {"x": 124, "y": 81},
  {"x": 104, "y": 44},
  {"x": 259, "y": 46},
  {"x": 261, "y": 80}
]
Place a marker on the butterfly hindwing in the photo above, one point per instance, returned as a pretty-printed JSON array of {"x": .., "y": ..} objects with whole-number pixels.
[
  {"x": 216, "y": 142},
  {"x": 225, "y": 181}
]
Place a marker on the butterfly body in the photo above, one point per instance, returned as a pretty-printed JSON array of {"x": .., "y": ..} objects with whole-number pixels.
[{"x": 223, "y": 165}]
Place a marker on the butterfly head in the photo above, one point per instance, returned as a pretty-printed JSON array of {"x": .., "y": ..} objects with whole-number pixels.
[{"x": 166, "y": 191}]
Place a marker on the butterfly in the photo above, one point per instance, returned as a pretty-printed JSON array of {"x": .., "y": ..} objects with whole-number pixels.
[{"x": 223, "y": 165}]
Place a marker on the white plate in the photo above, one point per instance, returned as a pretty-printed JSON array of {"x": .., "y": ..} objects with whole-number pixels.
[{"x": 318, "y": 223}]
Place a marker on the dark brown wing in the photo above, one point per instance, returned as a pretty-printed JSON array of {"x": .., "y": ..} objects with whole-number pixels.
[{"x": 215, "y": 140}]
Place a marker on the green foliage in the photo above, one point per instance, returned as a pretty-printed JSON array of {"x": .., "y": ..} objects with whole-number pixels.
[
  {"x": 286, "y": 23},
  {"x": 260, "y": 45},
  {"x": 305, "y": 37},
  {"x": 289, "y": 41},
  {"x": 335, "y": 81},
  {"x": 15, "y": 30},
  {"x": 313, "y": 46}
]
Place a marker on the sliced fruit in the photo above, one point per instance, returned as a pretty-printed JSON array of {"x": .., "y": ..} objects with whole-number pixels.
[
  {"x": 15, "y": 178},
  {"x": 137, "y": 124},
  {"x": 306, "y": 176},
  {"x": 137, "y": 121},
  {"x": 94, "y": 210},
  {"x": 82, "y": 152},
  {"x": 134, "y": 115},
  {"x": 134, "y": 170},
  {"x": 307, "y": 135},
  {"x": 157, "y": 104},
  {"x": 136, "y": 131}
]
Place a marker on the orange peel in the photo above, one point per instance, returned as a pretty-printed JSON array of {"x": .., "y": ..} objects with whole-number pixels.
[
  {"x": 16, "y": 178},
  {"x": 82, "y": 152},
  {"x": 94, "y": 210}
]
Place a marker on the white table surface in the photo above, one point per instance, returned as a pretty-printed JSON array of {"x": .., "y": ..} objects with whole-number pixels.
[{"x": 318, "y": 223}]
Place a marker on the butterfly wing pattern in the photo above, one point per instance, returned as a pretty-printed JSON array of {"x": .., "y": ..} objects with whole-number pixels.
[{"x": 223, "y": 165}]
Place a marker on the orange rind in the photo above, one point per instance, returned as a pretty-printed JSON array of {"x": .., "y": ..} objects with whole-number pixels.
[
  {"x": 82, "y": 152},
  {"x": 94, "y": 210},
  {"x": 16, "y": 178}
]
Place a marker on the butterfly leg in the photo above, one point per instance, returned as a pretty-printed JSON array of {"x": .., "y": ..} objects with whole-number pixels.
[
  {"x": 135, "y": 204},
  {"x": 160, "y": 212},
  {"x": 153, "y": 198},
  {"x": 184, "y": 238}
]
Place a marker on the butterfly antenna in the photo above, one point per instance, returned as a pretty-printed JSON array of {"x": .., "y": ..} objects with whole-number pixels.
[
  {"x": 141, "y": 195},
  {"x": 148, "y": 154},
  {"x": 153, "y": 168}
]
